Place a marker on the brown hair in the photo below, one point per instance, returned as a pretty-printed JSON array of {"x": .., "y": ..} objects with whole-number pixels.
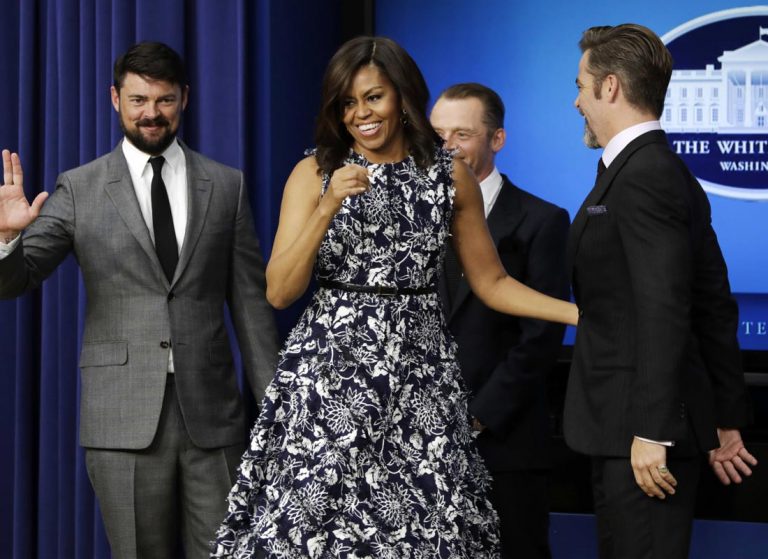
[
  {"x": 636, "y": 55},
  {"x": 152, "y": 60},
  {"x": 493, "y": 106},
  {"x": 331, "y": 136}
]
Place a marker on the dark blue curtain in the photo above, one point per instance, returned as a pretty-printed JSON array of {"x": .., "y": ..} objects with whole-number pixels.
[{"x": 255, "y": 68}]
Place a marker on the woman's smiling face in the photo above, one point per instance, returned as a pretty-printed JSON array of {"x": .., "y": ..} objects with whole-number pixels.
[{"x": 371, "y": 109}]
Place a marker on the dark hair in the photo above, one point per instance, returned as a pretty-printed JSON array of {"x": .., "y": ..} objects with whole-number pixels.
[
  {"x": 636, "y": 55},
  {"x": 153, "y": 60},
  {"x": 493, "y": 106},
  {"x": 331, "y": 136}
]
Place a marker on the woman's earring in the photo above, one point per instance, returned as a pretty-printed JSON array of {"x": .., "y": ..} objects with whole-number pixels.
[{"x": 404, "y": 118}]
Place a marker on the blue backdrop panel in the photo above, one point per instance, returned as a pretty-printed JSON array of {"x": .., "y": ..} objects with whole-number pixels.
[{"x": 528, "y": 52}]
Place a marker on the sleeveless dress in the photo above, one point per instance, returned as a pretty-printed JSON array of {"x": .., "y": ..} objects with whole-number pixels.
[{"x": 363, "y": 446}]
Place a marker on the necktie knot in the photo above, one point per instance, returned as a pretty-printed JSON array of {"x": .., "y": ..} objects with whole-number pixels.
[
  {"x": 600, "y": 166},
  {"x": 157, "y": 164}
]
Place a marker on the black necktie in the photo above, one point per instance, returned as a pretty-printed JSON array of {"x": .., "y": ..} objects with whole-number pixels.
[
  {"x": 165, "y": 235},
  {"x": 600, "y": 168}
]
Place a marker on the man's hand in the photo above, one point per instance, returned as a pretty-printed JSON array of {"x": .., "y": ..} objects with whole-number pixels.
[
  {"x": 15, "y": 212},
  {"x": 732, "y": 458},
  {"x": 649, "y": 464}
]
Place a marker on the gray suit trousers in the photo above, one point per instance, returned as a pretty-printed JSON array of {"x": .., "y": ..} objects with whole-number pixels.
[{"x": 149, "y": 496}]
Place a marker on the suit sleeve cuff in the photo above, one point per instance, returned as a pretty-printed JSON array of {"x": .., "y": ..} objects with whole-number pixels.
[
  {"x": 662, "y": 443},
  {"x": 8, "y": 248}
]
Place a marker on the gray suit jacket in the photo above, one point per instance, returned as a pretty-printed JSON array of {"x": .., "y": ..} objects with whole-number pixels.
[{"x": 133, "y": 314}]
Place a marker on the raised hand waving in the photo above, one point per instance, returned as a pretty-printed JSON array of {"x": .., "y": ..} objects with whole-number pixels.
[{"x": 16, "y": 213}]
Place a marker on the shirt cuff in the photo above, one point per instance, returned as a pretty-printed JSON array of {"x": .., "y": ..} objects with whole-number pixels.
[
  {"x": 662, "y": 443},
  {"x": 8, "y": 248}
]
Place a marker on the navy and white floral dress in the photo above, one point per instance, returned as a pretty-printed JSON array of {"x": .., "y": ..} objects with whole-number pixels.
[{"x": 363, "y": 447}]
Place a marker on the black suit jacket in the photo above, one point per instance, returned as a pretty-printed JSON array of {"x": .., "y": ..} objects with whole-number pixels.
[
  {"x": 656, "y": 353},
  {"x": 505, "y": 359}
]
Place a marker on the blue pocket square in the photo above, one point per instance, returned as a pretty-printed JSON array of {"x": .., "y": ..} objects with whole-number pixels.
[{"x": 597, "y": 210}]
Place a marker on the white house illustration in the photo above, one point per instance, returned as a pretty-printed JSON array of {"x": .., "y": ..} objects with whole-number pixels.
[{"x": 731, "y": 100}]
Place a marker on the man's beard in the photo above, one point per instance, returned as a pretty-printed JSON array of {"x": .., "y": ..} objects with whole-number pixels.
[
  {"x": 590, "y": 139},
  {"x": 151, "y": 147}
]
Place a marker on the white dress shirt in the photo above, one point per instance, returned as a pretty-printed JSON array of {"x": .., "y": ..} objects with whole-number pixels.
[
  {"x": 175, "y": 178},
  {"x": 490, "y": 187},
  {"x": 623, "y": 138}
]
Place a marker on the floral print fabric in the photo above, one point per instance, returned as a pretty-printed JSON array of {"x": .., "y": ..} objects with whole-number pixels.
[{"x": 363, "y": 447}]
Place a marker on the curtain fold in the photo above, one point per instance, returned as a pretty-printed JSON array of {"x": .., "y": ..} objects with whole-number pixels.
[{"x": 247, "y": 108}]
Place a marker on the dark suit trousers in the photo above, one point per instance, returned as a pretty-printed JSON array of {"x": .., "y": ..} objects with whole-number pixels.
[
  {"x": 631, "y": 525},
  {"x": 522, "y": 500},
  {"x": 169, "y": 493}
]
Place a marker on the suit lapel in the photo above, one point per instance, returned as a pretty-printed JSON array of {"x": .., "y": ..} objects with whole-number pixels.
[
  {"x": 580, "y": 221},
  {"x": 601, "y": 188},
  {"x": 199, "y": 188},
  {"x": 120, "y": 190},
  {"x": 506, "y": 215}
]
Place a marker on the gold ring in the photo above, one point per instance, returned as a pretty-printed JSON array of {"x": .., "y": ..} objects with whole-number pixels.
[{"x": 663, "y": 469}]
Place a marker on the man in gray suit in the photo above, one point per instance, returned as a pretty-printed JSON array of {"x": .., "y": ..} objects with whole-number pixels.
[{"x": 164, "y": 238}]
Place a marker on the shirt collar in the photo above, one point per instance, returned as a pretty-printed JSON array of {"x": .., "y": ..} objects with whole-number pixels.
[
  {"x": 137, "y": 160},
  {"x": 623, "y": 138},
  {"x": 490, "y": 185}
]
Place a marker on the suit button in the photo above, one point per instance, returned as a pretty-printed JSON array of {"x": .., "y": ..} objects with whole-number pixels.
[
  {"x": 171, "y": 296},
  {"x": 164, "y": 344},
  {"x": 682, "y": 411}
]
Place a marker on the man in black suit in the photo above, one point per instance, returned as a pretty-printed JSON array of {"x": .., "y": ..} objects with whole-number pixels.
[
  {"x": 655, "y": 380},
  {"x": 505, "y": 359}
]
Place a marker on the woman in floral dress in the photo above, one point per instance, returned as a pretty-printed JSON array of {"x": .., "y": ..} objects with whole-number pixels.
[{"x": 363, "y": 446}]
